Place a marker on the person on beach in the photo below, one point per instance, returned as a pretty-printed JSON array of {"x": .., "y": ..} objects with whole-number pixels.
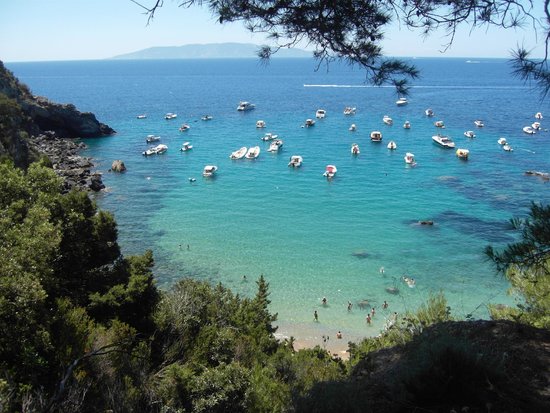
[
  {"x": 338, "y": 334},
  {"x": 315, "y": 315}
]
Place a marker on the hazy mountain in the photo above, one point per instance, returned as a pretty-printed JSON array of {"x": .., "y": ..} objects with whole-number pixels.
[{"x": 208, "y": 51}]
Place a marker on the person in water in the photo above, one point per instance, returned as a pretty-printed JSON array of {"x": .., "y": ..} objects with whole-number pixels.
[
  {"x": 324, "y": 300},
  {"x": 315, "y": 315}
]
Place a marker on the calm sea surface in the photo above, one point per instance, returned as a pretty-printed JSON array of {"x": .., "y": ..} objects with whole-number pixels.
[{"x": 313, "y": 238}]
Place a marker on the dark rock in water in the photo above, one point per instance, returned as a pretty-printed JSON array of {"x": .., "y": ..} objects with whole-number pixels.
[
  {"x": 360, "y": 254},
  {"x": 426, "y": 222},
  {"x": 392, "y": 290},
  {"x": 96, "y": 184},
  {"x": 118, "y": 166},
  {"x": 363, "y": 304}
]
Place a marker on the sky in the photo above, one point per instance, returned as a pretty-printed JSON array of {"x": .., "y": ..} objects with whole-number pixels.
[{"x": 41, "y": 30}]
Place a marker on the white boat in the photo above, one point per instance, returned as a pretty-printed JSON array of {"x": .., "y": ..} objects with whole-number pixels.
[
  {"x": 538, "y": 115},
  {"x": 275, "y": 145},
  {"x": 376, "y": 136},
  {"x": 502, "y": 141},
  {"x": 149, "y": 152},
  {"x": 269, "y": 137},
  {"x": 260, "y": 124},
  {"x": 295, "y": 161},
  {"x": 507, "y": 148},
  {"x": 392, "y": 145},
  {"x": 409, "y": 159},
  {"x": 348, "y": 110},
  {"x": 170, "y": 115},
  {"x": 157, "y": 150},
  {"x": 320, "y": 114},
  {"x": 479, "y": 123},
  {"x": 142, "y": 116},
  {"x": 469, "y": 134},
  {"x": 184, "y": 127},
  {"x": 330, "y": 171},
  {"x": 206, "y": 117},
  {"x": 152, "y": 138},
  {"x": 209, "y": 171},
  {"x": 529, "y": 130},
  {"x": 407, "y": 125},
  {"x": 309, "y": 123},
  {"x": 443, "y": 141},
  {"x": 387, "y": 120},
  {"x": 355, "y": 149},
  {"x": 462, "y": 153},
  {"x": 239, "y": 154},
  {"x": 536, "y": 126},
  {"x": 253, "y": 152},
  {"x": 401, "y": 102},
  {"x": 352, "y": 127},
  {"x": 245, "y": 106},
  {"x": 429, "y": 112},
  {"x": 439, "y": 124},
  {"x": 186, "y": 147}
]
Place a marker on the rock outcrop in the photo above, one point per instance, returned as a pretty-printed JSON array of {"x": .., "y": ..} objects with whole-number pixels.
[{"x": 118, "y": 166}]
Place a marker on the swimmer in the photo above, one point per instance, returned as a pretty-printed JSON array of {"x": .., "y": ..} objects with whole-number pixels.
[
  {"x": 324, "y": 300},
  {"x": 381, "y": 270},
  {"x": 372, "y": 311},
  {"x": 350, "y": 305},
  {"x": 315, "y": 315},
  {"x": 369, "y": 319},
  {"x": 385, "y": 305}
]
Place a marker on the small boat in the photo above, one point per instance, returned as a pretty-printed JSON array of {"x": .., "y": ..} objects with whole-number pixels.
[
  {"x": 352, "y": 127},
  {"x": 469, "y": 134},
  {"x": 462, "y": 153},
  {"x": 149, "y": 152},
  {"x": 439, "y": 124},
  {"x": 387, "y": 120},
  {"x": 245, "y": 106},
  {"x": 186, "y": 147},
  {"x": 401, "y": 102},
  {"x": 392, "y": 145},
  {"x": 184, "y": 127},
  {"x": 507, "y": 148},
  {"x": 479, "y": 123},
  {"x": 206, "y": 117},
  {"x": 536, "y": 126},
  {"x": 142, "y": 116},
  {"x": 157, "y": 150},
  {"x": 275, "y": 145},
  {"x": 269, "y": 137},
  {"x": 348, "y": 110},
  {"x": 429, "y": 112},
  {"x": 170, "y": 116},
  {"x": 320, "y": 114},
  {"x": 502, "y": 141},
  {"x": 152, "y": 138},
  {"x": 330, "y": 171},
  {"x": 443, "y": 141},
  {"x": 295, "y": 161},
  {"x": 376, "y": 136},
  {"x": 529, "y": 130},
  {"x": 409, "y": 159},
  {"x": 253, "y": 152},
  {"x": 239, "y": 154},
  {"x": 407, "y": 125},
  {"x": 538, "y": 115},
  {"x": 309, "y": 123},
  {"x": 260, "y": 124},
  {"x": 355, "y": 149},
  {"x": 209, "y": 171}
]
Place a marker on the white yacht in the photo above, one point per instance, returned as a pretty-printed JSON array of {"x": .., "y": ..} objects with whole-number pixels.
[
  {"x": 309, "y": 123},
  {"x": 142, "y": 116},
  {"x": 170, "y": 116},
  {"x": 462, "y": 153},
  {"x": 507, "y": 148},
  {"x": 275, "y": 145},
  {"x": 269, "y": 137},
  {"x": 209, "y": 171},
  {"x": 401, "y": 102},
  {"x": 245, "y": 106},
  {"x": 429, "y": 112},
  {"x": 184, "y": 127},
  {"x": 469, "y": 134},
  {"x": 376, "y": 136},
  {"x": 320, "y": 114},
  {"x": 157, "y": 150},
  {"x": 260, "y": 124},
  {"x": 536, "y": 126},
  {"x": 409, "y": 159},
  {"x": 529, "y": 130},
  {"x": 443, "y": 141},
  {"x": 392, "y": 145},
  {"x": 330, "y": 171},
  {"x": 206, "y": 117},
  {"x": 387, "y": 120},
  {"x": 239, "y": 153},
  {"x": 348, "y": 110},
  {"x": 479, "y": 123},
  {"x": 253, "y": 152},
  {"x": 152, "y": 138},
  {"x": 295, "y": 161},
  {"x": 538, "y": 115},
  {"x": 355, "y": 149},
  {"x": 502, "y": 141},
  {"x": 407, "y": 125},
  {"x": 439, "y": 124},
  {"x": 186, "y": 147},
  {"x": 352, "y": 127}
]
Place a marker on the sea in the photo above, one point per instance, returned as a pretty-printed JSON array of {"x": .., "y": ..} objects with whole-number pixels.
[{"x": 351, "y": 239}]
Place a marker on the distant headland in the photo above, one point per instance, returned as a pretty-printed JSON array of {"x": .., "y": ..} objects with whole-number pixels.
[{"x": 209, "y": 51}]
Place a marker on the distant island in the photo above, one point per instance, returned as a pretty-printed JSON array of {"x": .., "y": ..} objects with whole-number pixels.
[{"x": 209, "y": 51}]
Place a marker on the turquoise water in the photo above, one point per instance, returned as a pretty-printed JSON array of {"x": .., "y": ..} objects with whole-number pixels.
[{"x": 313, "y": 238}]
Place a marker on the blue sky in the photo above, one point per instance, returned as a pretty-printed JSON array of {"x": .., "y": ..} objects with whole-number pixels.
[{"x": 37, "y": 30}]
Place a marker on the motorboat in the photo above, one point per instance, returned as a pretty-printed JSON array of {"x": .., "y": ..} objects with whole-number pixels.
[
  {"x": 275, "y": 145},
  {"x": 184, "y": 127},
  {"x": 309, "y": 123},
  {"x": 320, "y": 114},
  {"x": 392, "y": 145},
  {"x": 269, "y": 137},
  {"x": 295, "y": 161},
  {"x": 529, "y": 130},
  {"x": 407, "y": 125},
  {"x": 348, "y": 110},
  {"x": 536, "y": 126},
  {"x": 245, "y": 106},
  {"x": 479, "y": 123},
  {"x": 409, "y": 159},
  {"x": 157, "y": 150},
  {"x": 401, "y": 102},
  {"x": 469, "y": 134},
  {"x": 209, "y": 171},
  {"x": 429, "y": 112},
  {"x": 376, "y": 136},
  {"x": 352, "y": 127},
  {"x": 439, "y": 124},
  {"x": 330, "y": 171},
  {"x": 239, "y": 154},
  {"x": 170, "y": 116},
  {"x": 387, "y": 120},
  {"x": 538, "y": 115},
  {"x": 152, "y": 138},
  {"x": 502, "y": 141},
  {"x": 253, "y": 152},
  {"x": 186, "y": 147},
  {"x": 206, "y": 117},
  {"x": 355, "y": 149},
  {"x": 507, "y": 148},
  {"x": 260, "y": 124},
  {"x": 142, "y": 116},
  {"x": 462, "y": 153},
  {"x": 443, "y": 141}
]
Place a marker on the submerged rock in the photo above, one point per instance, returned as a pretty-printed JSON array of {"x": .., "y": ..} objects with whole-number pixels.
[{"x": 360, "y": 254}]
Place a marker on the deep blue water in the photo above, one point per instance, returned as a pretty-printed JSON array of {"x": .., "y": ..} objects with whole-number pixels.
[{"x": 310, "y": 237}]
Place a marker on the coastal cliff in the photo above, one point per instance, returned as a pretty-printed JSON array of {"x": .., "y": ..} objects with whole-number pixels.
[{"x": 32, "y": 126}]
